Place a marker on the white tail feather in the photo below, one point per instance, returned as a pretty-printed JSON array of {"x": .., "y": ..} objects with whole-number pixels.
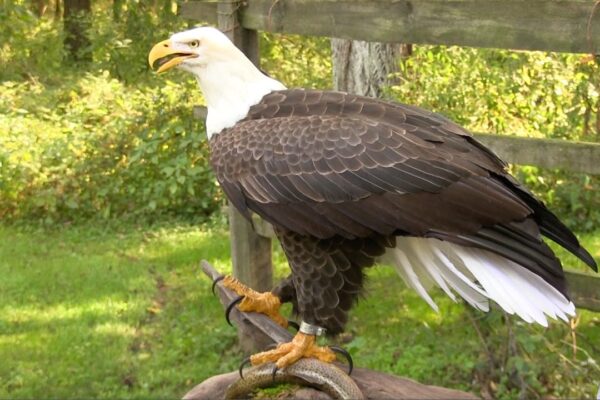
[
  {"x": 477, "y": 275},
  {"x": 464, "y": 286},
  {"x": 410, "y": 277},
  {"x": 424, "y": 261}
]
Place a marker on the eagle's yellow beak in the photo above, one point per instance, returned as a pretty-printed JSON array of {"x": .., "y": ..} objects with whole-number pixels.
[{"x": 165, "y": 57}]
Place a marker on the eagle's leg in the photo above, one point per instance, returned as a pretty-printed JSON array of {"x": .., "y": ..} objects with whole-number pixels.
[
  {"x": 303, "y": 345},
  {"x": 327, "y": 278},
  {"x": 265, "y": 303}
]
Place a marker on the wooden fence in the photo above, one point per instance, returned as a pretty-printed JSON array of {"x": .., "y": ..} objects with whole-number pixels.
[{"x": 549, "y": 25}]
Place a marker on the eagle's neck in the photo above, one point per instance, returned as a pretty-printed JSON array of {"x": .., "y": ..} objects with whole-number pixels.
[{"x": 230, "y": 89}]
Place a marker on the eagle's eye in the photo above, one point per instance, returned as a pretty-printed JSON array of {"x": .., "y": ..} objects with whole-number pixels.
[{"x": 194, "y": 43}]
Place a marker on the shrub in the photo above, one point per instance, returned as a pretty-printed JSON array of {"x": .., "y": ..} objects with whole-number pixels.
[
  {"x": 111, "y": 139},
  {"x": 97, "y": 147}
]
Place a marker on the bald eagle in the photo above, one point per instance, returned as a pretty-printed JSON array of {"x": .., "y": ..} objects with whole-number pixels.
[{"x": 345, "y": 178}]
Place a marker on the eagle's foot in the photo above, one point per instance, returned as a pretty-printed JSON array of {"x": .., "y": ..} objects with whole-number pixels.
[
  {"x": 302, "y": 346},
  {"x": 252, "y": 301}
]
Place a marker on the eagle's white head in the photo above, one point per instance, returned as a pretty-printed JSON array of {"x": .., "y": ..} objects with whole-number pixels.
[{"x": 231, "y": 84}]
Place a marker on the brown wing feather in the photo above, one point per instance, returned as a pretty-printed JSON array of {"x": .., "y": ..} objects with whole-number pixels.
[
  {"x": 327, "y": 164},
  {"x": 314, "y": 148}
]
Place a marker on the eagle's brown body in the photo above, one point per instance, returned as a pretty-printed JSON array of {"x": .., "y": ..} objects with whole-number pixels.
[{"x": 341, "y": 176}]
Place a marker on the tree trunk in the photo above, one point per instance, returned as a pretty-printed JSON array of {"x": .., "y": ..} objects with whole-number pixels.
[
  {"x": 57, "y": 10},
  {"x": 117, "y": 8},
  {"x": 364, "y": 68},
  {"x": 40, "y": 7},
  {"x": 167, "y": 8},
  {"x": 76, "y": 22}
]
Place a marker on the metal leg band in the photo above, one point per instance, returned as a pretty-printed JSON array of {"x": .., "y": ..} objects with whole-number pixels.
[{"x": 310, "y": 329}]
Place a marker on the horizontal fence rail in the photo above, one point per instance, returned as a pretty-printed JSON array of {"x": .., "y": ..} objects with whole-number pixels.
[
  {"x": 547, "y": 153},
  {"x": 549, "y": 25}
]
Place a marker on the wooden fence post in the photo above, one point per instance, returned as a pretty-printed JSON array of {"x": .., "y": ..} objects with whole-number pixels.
[{"x": 250, "y": 253}]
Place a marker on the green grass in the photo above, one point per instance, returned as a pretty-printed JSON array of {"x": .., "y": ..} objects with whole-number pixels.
[
  {"x": 87, "y": 313},
  {"x": 126, "y": 313}
]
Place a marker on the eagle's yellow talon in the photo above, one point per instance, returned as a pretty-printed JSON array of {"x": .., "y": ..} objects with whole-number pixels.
[
  {"x": 265, "y": 303},
  {"x": 302, "y": 346}
]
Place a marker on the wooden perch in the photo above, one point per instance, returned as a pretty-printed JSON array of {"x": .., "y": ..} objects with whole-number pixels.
[
  {"x": 263, "y": 332},
  {"x": 261, "y": 329}
]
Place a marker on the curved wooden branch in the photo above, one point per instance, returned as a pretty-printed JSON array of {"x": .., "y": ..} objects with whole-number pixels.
[{"x": 305, "y": 372}]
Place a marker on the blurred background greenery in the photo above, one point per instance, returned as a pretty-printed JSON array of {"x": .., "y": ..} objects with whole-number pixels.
[
  {"x": 107, "y": 203},
  {"x": 106, "y": 137}
]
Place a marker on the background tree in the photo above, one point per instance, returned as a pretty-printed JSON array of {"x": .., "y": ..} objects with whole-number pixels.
[
  {"x": 40, "y": 7},
  {"x": 76, "y": 19},
  {"x": 365, "y": 68}
]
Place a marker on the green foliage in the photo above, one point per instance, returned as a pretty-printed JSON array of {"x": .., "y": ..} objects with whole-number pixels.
[
  {"x": 32, "y": 47},
  {"x": 121, "y": 47},
  {"x": 29, "y": 46},
  {"x": 501, "y": 91},
  {"x": 113, "y": 141},
  {"x": 97, "y": 148},
  {"x": 572, "y": 196},
  {"x": 297, "y": 61}
]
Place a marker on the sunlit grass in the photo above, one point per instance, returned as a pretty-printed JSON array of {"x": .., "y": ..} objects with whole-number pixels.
[
  {"x": 124, "y": 312},
  {"x": 87, "y": 313}
]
